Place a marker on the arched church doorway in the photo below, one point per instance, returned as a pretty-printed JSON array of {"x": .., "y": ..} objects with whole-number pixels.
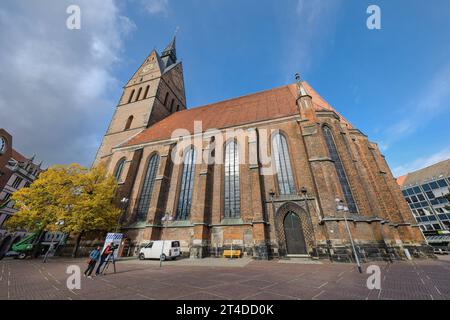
[{"x": 293, "y": 231}]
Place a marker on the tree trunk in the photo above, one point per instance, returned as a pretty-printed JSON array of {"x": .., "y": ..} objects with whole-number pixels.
[{"x": 77, "y": 244}]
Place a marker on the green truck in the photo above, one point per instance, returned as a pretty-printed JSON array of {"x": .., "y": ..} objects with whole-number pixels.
[
  {"x": 25, "y": 247},
  {"x": 36, "y": 244}
]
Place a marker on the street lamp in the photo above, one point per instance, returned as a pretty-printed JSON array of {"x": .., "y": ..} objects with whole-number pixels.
[
  {"x": 341, "y": 208},
  {"x": 165, "y": 219},
  {"x": 304, "y": 192},
  {"x": 124, "y": 203}
]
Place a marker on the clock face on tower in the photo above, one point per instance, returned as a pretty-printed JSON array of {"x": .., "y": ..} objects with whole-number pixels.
[
  {"x": 148, "y": 68},
  {"x": 2, "y": 145}
]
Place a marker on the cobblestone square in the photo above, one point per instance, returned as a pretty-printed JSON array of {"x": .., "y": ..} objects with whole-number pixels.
[{"x": 221, "y": 279}]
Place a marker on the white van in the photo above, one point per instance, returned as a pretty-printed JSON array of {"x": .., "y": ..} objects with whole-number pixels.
[{"x": 154, "y": 249}]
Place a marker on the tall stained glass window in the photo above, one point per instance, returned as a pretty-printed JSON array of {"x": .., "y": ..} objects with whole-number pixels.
[
  {"x": 143, "y": 203},
  {"x": 119, "y": 169},
  {"x": 187, "y": 183},
  {"x": 345, "y": 186},
  {"x": 232, "y": 197},
  {"x": 280, "y": 153}
]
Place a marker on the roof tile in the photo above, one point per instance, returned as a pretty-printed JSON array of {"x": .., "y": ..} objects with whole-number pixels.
[{"x": 266, "y": 105}]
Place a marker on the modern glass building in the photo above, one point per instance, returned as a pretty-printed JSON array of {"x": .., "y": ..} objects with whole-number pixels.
[{"x": 425, "y": 191}]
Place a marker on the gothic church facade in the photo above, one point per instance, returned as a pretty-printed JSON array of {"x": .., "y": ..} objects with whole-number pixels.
[{"x": 326, "y": 172}]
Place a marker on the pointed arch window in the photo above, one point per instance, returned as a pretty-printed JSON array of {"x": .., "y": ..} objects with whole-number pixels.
[
  {"x": 143, "y": 203},
  {"x": 334, "y": 155},
  {"x": 280, "y": 153},
  {"x": 129, "y": 122},
  {"x": 131, "y": 96},
  {"x": 146, "y": 92},
  {"x": 166, "y": 98},
  {"x": 187, "y": 184},
  {"x": 139, "y": 94},
  {"x": 119, "y": 169},
  {"x": 232, "y": 188}
]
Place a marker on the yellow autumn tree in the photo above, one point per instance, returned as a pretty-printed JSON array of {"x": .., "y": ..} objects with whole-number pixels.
[{"x": 81, "y": 198}]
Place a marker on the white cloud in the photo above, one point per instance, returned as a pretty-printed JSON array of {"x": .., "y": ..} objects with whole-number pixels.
[
  {"x": 56, "y": 83},
  {"x": 421, "y": 162},
  {"x": 156, "y": 6},
  {"x": 312, "y": 34},
  {"x": 429, "y": 101}
]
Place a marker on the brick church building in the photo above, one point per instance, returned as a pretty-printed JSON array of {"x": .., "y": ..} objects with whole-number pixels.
[{"x": 273, "y": 173}]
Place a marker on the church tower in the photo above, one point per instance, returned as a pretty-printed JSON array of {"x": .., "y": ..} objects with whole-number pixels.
[{"x": 155, "y": 91}]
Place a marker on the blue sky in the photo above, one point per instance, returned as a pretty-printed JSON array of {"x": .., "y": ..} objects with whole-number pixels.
[{"x": 393, "y": 83}]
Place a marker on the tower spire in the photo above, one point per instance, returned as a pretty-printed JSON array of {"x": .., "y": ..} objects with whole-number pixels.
[
  {"x": 169, "y": 55},
  {"x": 301, "y": 90},
  {"x": 304, "y": 100}
]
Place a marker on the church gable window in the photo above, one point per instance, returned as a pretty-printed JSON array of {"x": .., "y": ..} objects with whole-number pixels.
[
  {"x": 334, "y": 155},
  {"x": 232, "y": 196},
  {"x": 186, "y": 187},
  {"x": 280, "y": 154},
  {"x": 143, "y": 203}
]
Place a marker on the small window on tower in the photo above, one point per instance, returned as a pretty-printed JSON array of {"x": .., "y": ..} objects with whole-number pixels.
[
  {"x": 178, "y": 107},
  {"x": 131, "y": 96},
  {"x": 165, "y": 99},
  {"x": 129, "y": 121},
  {"x": 139, "y": 94},
  {"x": 146, "y": 92},
  {"x": 171, "y": 105}
]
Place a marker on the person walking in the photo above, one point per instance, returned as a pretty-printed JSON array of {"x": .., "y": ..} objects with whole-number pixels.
[
  {"x": 105, "y": 254},
  {"x": 93, "y": 258}
]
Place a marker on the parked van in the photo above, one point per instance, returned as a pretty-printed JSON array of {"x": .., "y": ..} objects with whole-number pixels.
[{"x": 154, "y": 248}]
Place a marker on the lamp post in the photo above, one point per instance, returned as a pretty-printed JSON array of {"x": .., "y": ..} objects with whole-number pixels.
[
  {"x": 124, "y": 203},
  {"x": 165, "y": 219},
  {"x": 304, "y": 192},
  {"x": 341, "y": 208}
]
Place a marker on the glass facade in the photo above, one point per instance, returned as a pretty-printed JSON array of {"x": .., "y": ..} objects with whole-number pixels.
[
  {"x": 146, "y": 193},
  {"x": 232, "y": 197},
  {"x": 429, "y": 204},
  {"x": 346, "y": 190},
  {"x": 187, "y": 183},
  {"x": 280, "y": 153}
]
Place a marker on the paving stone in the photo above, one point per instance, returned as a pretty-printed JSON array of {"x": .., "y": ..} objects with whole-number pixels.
[{"x": 257, "y": 280}]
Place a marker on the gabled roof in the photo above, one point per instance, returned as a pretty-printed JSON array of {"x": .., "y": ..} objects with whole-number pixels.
[{"x": 266, "y": 105}]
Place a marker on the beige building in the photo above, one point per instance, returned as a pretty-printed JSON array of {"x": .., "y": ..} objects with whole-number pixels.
[{"x": 272, "y": 174}]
